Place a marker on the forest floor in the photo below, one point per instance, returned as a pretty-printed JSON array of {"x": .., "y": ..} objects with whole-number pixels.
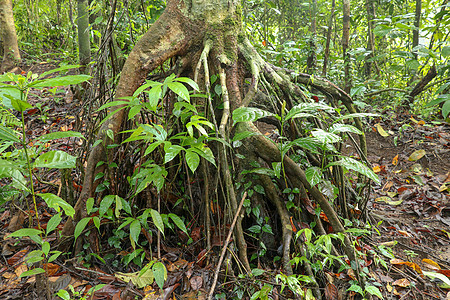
[{"x": 411, "y": 207}]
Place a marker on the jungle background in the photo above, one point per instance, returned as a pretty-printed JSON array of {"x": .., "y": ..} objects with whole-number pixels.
[{"x": 359, "y": 120}]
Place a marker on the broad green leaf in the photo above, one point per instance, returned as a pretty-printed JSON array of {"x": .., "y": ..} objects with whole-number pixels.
[
  {"x": 179, "y": 89},
  {"x": 113, "y": 103},
  {"x": 313, "y": 175},
  {"x": 262, "y": 171},
  {"x": 46, "y": 248},
  {"x": 139, "y": 280},
  {"x": 81, "y": 225},
  {"x": 157, "y": 220},
  {"x": 105, "y": 204},
  {"x": 352, "y": 164},
  {"x": 171, "y": 151},
  {"x": 160, "y": 273},
  {"x": 325, "y": 137},
  {"x": 32, "y": 272},
  {"x": 255, "y": 229},
  {"x": 304, "y": 110},
  {"x": 439, "y": 99},
  {"x": 356, "y": 115},
  {"x": 55, "y": 159},
  {"x": 177, "y": 220},
  {"x": 56, "y": 203},
  {"x": 25, "y": 232},
  {"x": 249, "y": 114},
  {"x": 53, "y": 223},
  {"x": 60, "y": 81},
  {"x": 20, "y": 105},
  {"x": 62, "y": 68},
  {"x": 189, "y": 81},
  {"x": 446, "y": 109},
  {"x": 89, "y": 205},
  {"x": 445, "y": 51},
  {"x": 152, "y": 147},
  {"x": 257, "y": 272},
  {"x": 382, "y": 30},
  {"x": 153, "y": 97},
  {"x": 192, "y": 160},
  {"x": 373, "y": 290},
  {"x": 205, "y": 152},
  {"x": 119, "y": 206},
  {"x": 440, "y": 276},
  {"x": 242, "y": 135},
  {"x": 59, "y": 135},
  {"x": 7, "y": 134},
  {"x": 412, "y": 64},
  {"x": 338, "y": 128},
  {"x": 308, "y": 143},
  {"x": 63, "y": 294},
  {"x": 135, "y": 230}
]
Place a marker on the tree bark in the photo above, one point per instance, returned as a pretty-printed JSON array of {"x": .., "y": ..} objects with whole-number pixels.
[
  {"x": 327, "y": 46},
  {"x": 311, "y": 61},
  {"x": 345, "y": 45},
  {"x": 416, "y": 30},
  {"x": 370, "y": 36},
  {"x": 11, "y": 54},
  {"x": 84, "y": 45}
]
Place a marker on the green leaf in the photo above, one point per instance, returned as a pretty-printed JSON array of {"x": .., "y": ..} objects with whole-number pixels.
[
  {"x": 373, "y": 290},
  {"x": 356, "y": 115},
  {"x": 313, "y": 175},
  {"x": 53, "y": 223},
  {"x": 171, "y": 151},
  {"x": 242, "y": 135},
  {"x": 352, "y": 164},
  {"x": 445, "y": 51},
  {"x": 62, "y": 68},
  {"x": 157, "y": 220},
  {"x": 59, "y": 135},
  {"x": 46, "y": 248},
  {"x": 135, "y": 230},
  {"x": 412, "y": 64},
  {"x": 55, "y": 159},
  {"x": 60, "y": 81},
  {"x": 257, "y": 272},
  {"x": 255, "y": 229},
  {"x": 305, "y": 110},
  {"x": 105, "y": 204},
  {"x": 189, "y": 81},
  {"x": 177, "y": 220},
  {"x": 192, "y": 160},
  {"x": 439, "y": 99},
  {"x": 25, "y": 232},
  {"x": 205, "y": 152},
  {"x": 89, "y": 205},
  {"x": 325, "y": 137},
  {"x": 338, "y": 128},
  {"x": 249, "y": 114},
  {"x": 382, "y": 30},
  {"x": 179, "y": 89},
  {"x": 355, "y": 288},
  {"x": 7, "y": 134},
  {"x": 446, "y": 109},
  {"x": 138, "y": 279},
  {"x": 160, "y": 273},
  {"x": 440, "y": 276},
  {"x": 81, "y": 225},
  {"x": 32, "y": 272},
  {"x": 56, "y": 203},
  {"x": 63, "y": 294},
  {"x": 153, "y": 97},
  {"x": 19, "y": 105}
]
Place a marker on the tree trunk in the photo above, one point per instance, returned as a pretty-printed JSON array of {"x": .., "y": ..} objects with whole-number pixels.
[
  {"x": 11, "y": 54},
  {"x": 84, "y": 46},
  {"x": 206, "y": 35},
  {"x": 417, "y": 26},
  {"x": 311, "y": 62},
  {"x": 345, "y": 44},
  {"x": 327, "y": 46},
  {"x": 370, "y": 37}
]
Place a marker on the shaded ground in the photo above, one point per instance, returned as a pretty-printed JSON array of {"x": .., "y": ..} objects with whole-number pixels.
[{"x": 412, "y": 206}]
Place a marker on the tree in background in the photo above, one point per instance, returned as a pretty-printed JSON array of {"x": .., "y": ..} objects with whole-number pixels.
[{"x": 11, "y": 54}]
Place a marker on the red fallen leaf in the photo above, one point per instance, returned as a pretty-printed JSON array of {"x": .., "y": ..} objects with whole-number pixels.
[
  {"x": 107, "y": 278},
  {"x": 401, "y": 189},
  {"x": 429, "y": 137},
  {"x": 32, "y": 111},
  {"x": 201, "y": 257},
  {"x": 18, "y": 256},
  {"x": 331, "y": 292},
  {"x": 196, "y": 234},
  {"x": 324, "y": 217},
  {"x": 51, "y": 269},
  {"x": 445, "y": 272}
]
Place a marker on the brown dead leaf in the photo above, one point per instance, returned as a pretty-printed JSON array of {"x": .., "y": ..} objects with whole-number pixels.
[
  {"x": 412, "y": 265},
  {"x": 376, "y": 169},
  {"x": 331, "y": 292},
  {"x": 20, "y": 269},
  {"x": 51, "y": 269},
  {"x": 389, "y": 288},
  {"x": 403, "y": 282},
  {"x": 196, "y": 282},
  {"x": 431, "y": 264},
  {"x": 18, "y": 256}
]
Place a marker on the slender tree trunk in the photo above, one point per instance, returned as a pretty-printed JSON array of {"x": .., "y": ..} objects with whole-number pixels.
[
  {"x": 345, "y": 44},
  {"x": 327, "y": 46},
  {"x": 417, "y": 26},
  {"x": 83, "y": 33},
  {"x": 11, "y": 54},
  {"x": 311, "y": 62},
  {"x": 370, "y": 37}
]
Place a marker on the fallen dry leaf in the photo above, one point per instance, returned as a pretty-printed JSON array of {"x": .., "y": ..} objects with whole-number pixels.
[
  {"x": 403, "y": 282},
  {"x": 395, "y": 160},
  {"x": 416, "y": 155},
  {"x": 431, "y": 264},
  {"x": 381, "y": 131}
]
